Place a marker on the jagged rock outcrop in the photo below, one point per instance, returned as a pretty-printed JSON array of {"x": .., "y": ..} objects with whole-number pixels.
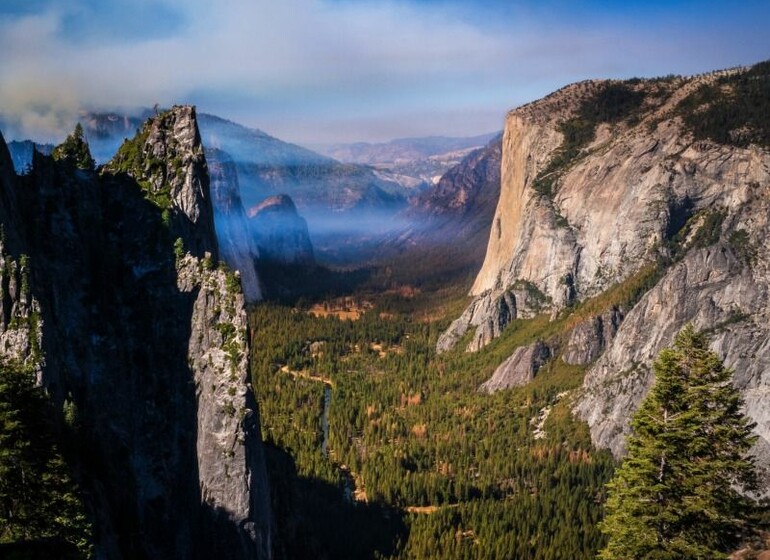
[
  {"x": 236, "y": 242},
  {"x": 280, "y": 233},
  {"x": 490, "y": 315},
  {"x": 518, "y": 369},
  {"x": 166, "y": 158},
  {"x": 231, "y": 462},
  {"x": 589, "y": 339},
  {"x": 712, "y": 289},
  {"x": 145, "y": 337},
  {"x": 603, "y": 182}
]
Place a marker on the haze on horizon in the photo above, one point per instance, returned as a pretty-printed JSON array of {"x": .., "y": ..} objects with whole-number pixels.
[{"x": 325, "y": 71}]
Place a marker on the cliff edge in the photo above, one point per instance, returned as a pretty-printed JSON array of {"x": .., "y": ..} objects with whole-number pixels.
[{"x": 663, "y": 184}]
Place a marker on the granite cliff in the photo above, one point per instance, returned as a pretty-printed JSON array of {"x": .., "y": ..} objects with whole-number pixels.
[
  {"x": 236, "y": 241},
  {"x": 445, "y": 230},
  {"x": 113, "y": 292},
  {"x": 280, "y": 234},
  {"x": 607, "y": 182}
]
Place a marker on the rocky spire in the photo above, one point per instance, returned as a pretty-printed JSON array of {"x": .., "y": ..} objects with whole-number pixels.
[
  {"x": 167, "y": 158},
  {"x": 137, "y": 328}
]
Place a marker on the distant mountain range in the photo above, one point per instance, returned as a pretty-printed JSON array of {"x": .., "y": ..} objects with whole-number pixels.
[
  {"x": 403, "y": 149},
  {"x": 392, "y": 190},
  {"x": 319, "y": 185},
  {"x": 415, "y": 163},
  {"x": 446, "y": 228},
  {"x": 107, "y": 131}
]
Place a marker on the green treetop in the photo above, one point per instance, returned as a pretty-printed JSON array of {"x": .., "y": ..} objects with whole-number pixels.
[
  {"x": 677, "y": 493},
  {"x": 39, "y": 501},
  {"x": 75, "y": 150}
]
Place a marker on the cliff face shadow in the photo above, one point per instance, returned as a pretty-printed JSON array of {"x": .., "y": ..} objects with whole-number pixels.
[
  {"x": 40, "y": 549},
  {"x": 314, "y": 520},
  {"x": 115, "y": 339}
]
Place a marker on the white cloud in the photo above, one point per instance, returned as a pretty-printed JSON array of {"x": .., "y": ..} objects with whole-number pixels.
[{"x": 293, "y": 67}]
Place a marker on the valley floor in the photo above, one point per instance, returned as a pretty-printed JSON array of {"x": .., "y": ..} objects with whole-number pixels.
[{"x": 378, "y": 447}]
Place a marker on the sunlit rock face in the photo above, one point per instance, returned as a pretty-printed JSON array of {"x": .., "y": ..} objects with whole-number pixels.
[
  {"x": 640, "y": 192},
  {"x": 518, "y": 369}
]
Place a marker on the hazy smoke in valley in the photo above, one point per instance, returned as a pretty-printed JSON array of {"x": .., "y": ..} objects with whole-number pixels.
[{"x": 323, "y": 222}]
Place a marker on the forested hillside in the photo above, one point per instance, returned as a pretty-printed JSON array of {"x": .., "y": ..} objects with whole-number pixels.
[{"x": 384, "y": 434}]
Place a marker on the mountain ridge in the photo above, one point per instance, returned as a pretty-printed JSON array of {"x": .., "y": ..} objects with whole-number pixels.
[
  {"x": 605, "y": 181},
  {"x": 418, "y": 147}
]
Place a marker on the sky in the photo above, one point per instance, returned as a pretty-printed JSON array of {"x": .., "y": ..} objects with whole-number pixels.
[{"x": 325, "y": 71}]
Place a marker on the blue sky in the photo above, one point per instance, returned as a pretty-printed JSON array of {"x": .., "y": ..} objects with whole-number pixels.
[{"x": 320, "y": 71}]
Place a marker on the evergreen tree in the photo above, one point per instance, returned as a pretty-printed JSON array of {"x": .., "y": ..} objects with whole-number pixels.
[
  {"x": 676, "y": 495},
  {"x": 75, "y": 150},
  {"x": 39, "y": 501}
]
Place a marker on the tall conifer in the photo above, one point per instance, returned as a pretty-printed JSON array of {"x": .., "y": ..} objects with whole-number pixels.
[
  {"x": 75, "y": 150},
  {"x": 676, "y": 495}
]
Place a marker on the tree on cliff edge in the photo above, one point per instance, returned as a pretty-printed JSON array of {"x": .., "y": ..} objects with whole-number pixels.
[
  {"x": 75, "y": 150},
  {"x": 676, "y": 494}
]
